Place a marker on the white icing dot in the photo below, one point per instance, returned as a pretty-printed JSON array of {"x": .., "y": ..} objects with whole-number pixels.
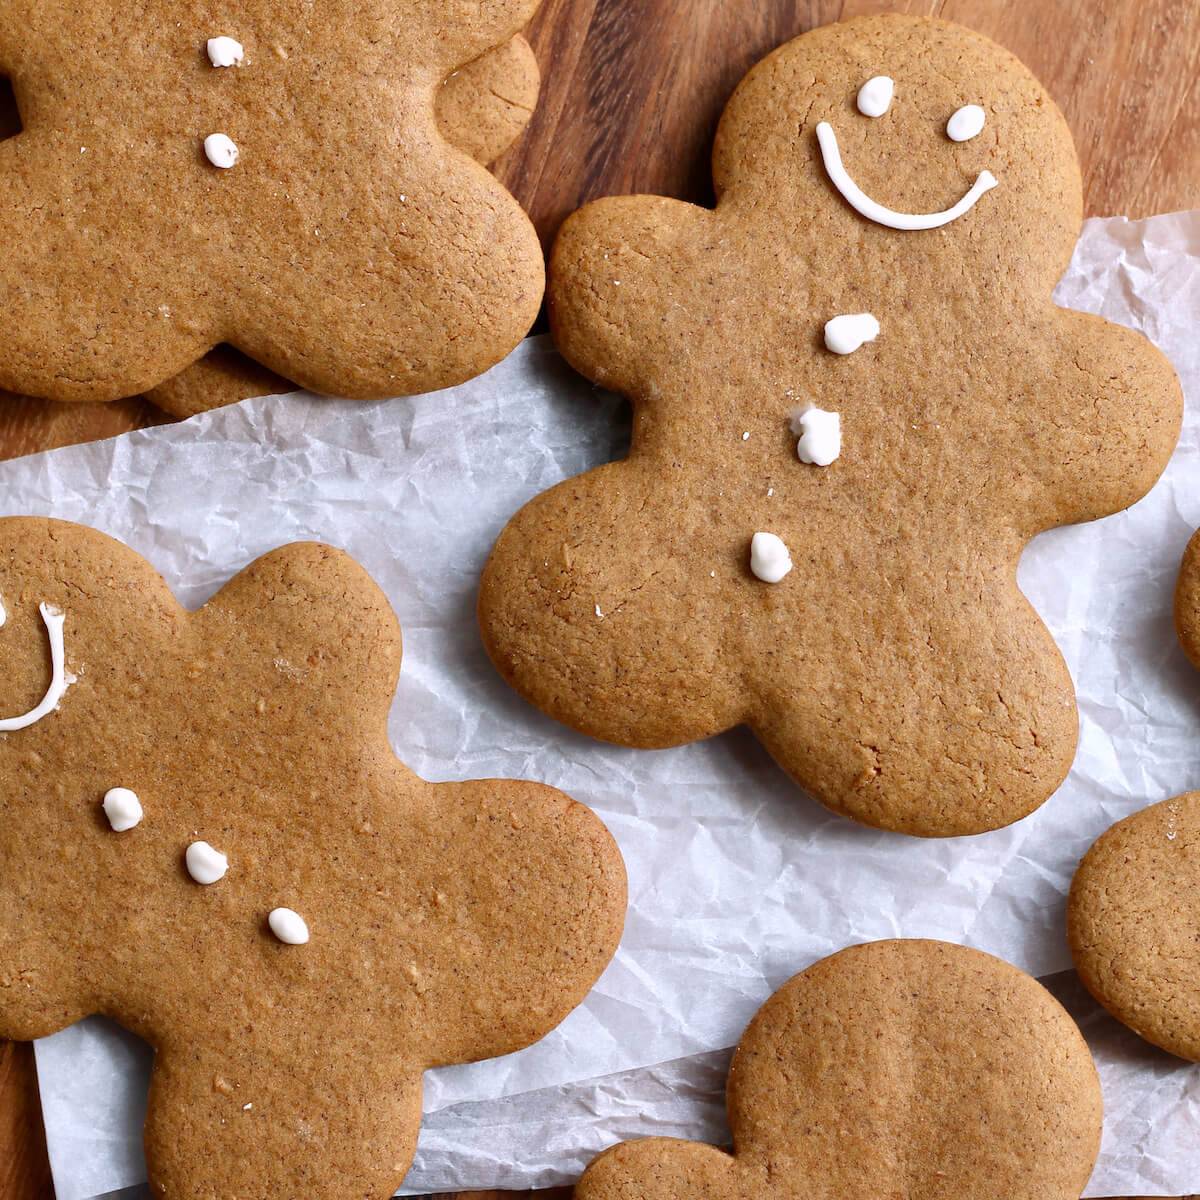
[
  {"x": 965, "y": 123},
  {"x": 769, "y": 557},
  {"x": 845, "y": 334},
  {"x": 205, "y": 865},
  {"x": 875, "y": 96},
  {"x": 288, "y": 927},
  {"x": 123, "y": 809},
  {"x": 225, "y": 52},
  {"x": 820, "y": 435},
  {"x": 221, "y": 151},
  {"x": 3, "y": 614}
]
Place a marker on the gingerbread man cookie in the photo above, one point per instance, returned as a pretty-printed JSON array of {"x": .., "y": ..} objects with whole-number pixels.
[
  {"x": 278, "y": 183},
  {"x": 1132, "y": 923},
  {"x": 206, "y": 836},
  {"x": 854, "y": 403},
  {"x": 482, "y": 109},
  {"x": 900, "y": 1068}
]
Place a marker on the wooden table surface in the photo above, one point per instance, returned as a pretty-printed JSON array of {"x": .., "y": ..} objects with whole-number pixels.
[{"x": 631, "y": 96}]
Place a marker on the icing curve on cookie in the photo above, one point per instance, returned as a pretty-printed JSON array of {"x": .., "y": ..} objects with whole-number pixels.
[
  {"x": 880, "y": 213},
  {"x": 54, "y": 619}
]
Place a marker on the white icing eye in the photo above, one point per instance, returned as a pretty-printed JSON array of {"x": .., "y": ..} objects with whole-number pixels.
[
  {"x": 965, "y": 123},
  {"x": 875, "y": 96}
]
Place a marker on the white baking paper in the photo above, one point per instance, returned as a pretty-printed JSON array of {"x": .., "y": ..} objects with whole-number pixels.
[{"x": 736, "y": 880}]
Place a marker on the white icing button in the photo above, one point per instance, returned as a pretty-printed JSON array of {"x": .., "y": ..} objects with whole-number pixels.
[
  {"x": 220, "y": 151},
  {"x": 769, "y": 557},
  {"x": 844, "y": 335},
  {"x": 965, "y": 123},
  {"x": 53, "y": 619},
  {"x": 3, "y": 614},
  {"x": 225, "y": 52},
  {"x": 875, "y": 96},
  {"x": 122, "y": 808},
  {"x": 288, "y": 927},
  {"x": 879, "y": 213},
  {"x": 205, "y": 865},
  {"x": 820, "y": 435}
]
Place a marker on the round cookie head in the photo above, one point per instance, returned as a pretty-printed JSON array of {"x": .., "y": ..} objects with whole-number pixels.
[
  {"x": 1132, "y": 919},
  {"x": 258, "y": 724},
  {"x": 768, "y": 153},
  {"x": 907, "y": 1068}
]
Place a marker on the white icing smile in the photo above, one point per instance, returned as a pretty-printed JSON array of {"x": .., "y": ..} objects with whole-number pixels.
[
  {"x": 53, "y": 619},
  {"x": 879, "y": 213}
]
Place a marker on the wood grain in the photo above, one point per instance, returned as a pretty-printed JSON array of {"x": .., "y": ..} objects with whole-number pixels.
[{"x": 633, "y": 90}]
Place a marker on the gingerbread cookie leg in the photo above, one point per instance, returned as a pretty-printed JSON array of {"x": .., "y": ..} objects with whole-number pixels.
[
  {"x": 482, "y": 109},
  {"x": 604, "y": 655},
  {"x": 271, "y": 1124}
]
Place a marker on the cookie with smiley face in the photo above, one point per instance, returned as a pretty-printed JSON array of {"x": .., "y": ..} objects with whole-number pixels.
[
  {"x": 899, "y": 1068},
  {"x": 205, "y": 835},
  {"x": 278, "y": 183},
  {"x": 854, "y": 403}
]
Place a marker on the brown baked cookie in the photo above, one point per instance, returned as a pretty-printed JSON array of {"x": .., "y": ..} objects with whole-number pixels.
[
  {"x": 1132, "y": 922},
  {"x": 851, "y": 595},
  {"x": 301, "y": 204},
  {"x": 482, "y": 109},
  {"x": 444, "y": 923},
  {"x": 1187, "y": 600},
  {"x": 898, "y": 1068}
]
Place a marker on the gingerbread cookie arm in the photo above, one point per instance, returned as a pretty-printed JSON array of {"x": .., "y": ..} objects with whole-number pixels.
[
  {"x": 521, "y": 956},
  {"x": 481, "y": 109},
  {"x": 283, "y": 1109},
  {"x": 616, "y": 270},
  {"x": 1108, "y": 448},
  {"x": 484, "y": 107}
]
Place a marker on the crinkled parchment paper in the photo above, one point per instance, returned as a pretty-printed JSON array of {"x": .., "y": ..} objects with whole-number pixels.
[{"x": 737, "y": 880}]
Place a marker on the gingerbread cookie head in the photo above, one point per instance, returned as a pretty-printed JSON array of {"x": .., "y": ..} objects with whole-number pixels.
[
  {"x": 854, "y": 403},
  {"x": 901, "y": 1068},
  {"x": 206, "y": 836},
  {"x": 1132, "y": 920},
  {"x": 279, "y": 183}
]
